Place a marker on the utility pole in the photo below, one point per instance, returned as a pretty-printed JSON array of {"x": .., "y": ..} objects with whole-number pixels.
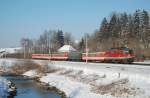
[
  {"x": 24, "y": 51},
  {"x": 86, "y": 46},
  {"x": 49, "y": 46}
]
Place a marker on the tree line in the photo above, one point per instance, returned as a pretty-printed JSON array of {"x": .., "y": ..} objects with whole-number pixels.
[
  {"x": 48, "y": 41},
  {"x": 118, "y": 30},
  {"x": 122, "y": 30}
]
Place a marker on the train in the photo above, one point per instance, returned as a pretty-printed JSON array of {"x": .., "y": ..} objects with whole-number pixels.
[{"x": 113, "y": 55}]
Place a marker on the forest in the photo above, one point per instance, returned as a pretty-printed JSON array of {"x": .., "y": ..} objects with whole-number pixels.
[{"x": 117, "y": 30}]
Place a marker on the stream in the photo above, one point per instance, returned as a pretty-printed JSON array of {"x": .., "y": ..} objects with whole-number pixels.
[{"x": 27, "y": 88}]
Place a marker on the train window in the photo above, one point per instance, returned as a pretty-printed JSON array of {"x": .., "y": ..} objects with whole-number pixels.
[
  {"x": 130, "y": 51},
  {"x": 114, "y": 52},
  {"x": 120, "y": 52},
  {"x": 126, "y": 52}
]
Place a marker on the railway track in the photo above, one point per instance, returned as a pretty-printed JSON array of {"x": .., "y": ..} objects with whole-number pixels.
[
  {"x": 141, "y": 64},
  {"x": 100, "y": 63}
]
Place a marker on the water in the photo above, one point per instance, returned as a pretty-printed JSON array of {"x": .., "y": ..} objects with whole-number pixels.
[
  {"x": 3, "y": 88},
  {"x": 30, "y": 89}
]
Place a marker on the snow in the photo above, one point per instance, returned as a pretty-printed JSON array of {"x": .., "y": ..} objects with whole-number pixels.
[
  {"x": 97, "y": 80},
  {"x": 83, "y": 79},
  {"x": 7, "y": 62},
  {"x": 10, "y": 50},
  {"x": 144, "y": 62},
  {"x": 72, "y": 89},
  {"x": 66, "y": 48},
  {"x": 30, "y": 73}
]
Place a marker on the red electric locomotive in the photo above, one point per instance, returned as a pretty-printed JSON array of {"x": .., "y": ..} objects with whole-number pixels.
[{"x": 114, "y": 55}]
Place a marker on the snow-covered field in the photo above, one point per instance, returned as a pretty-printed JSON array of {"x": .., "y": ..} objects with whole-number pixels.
[
  {"x": 145, "y": 62},
  {"x": 97, "y": 80},
  {"x": 11, "y": 50}
]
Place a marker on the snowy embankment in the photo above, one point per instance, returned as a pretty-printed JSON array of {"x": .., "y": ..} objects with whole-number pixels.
[
  {"x": 99, "y": 80},
  {"x": 147, "y": 62},
  {"x": 96, "y": 80},
  {"x": 6, "y": 63}
]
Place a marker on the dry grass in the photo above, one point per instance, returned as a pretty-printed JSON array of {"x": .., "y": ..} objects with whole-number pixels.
[
  {"x": 19, "y": 68},
  {"x": 66, "y": 72},
  {"x": 118, "y": 89}
]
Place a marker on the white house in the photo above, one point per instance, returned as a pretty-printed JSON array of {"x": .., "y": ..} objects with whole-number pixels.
[{"x": 67, "y": 48}]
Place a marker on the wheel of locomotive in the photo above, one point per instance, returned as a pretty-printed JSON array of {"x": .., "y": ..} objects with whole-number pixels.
[
  {"x": 119, "y": 61},
  {"x": 106, "y": 61},
  {"x": 125, "y": 61},
  {"x": 122, "y": 61},
  {"x": 130, "y": 60},
  {"x": 115, "y": 61}
]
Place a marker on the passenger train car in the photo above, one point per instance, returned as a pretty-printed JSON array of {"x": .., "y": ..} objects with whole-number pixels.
[{"x": 113, "y": 55}]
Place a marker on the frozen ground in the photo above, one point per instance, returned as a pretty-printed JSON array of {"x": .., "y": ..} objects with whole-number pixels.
[
  {"x": 145, "y": 62},
  {"x": 97, "y": 80}
]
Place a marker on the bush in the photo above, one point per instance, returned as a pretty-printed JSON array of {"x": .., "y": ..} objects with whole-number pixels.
[{"x": 19, "y": 68}]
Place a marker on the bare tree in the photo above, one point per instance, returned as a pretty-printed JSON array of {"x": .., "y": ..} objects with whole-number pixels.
[
  {"x": 68, "y": 38},
  {"x": 27, "y": 45}
]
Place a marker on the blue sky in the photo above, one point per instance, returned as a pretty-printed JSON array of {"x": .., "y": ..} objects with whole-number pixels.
[{"x": 29, "y": 18}]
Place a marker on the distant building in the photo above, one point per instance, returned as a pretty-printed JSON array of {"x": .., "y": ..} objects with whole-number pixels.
[
  {"x": 11, "y": 50},
  {"x": 67, "y": 48}
]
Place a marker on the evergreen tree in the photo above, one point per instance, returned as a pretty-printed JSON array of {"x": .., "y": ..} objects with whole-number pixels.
[
  {"x": 137, "y": 24},
  {"x": 60, "y": 38},
  {"x": 81, "y": 45},
  {"x": 113, "y": 26},
  {"x": 103, "y": 32}
]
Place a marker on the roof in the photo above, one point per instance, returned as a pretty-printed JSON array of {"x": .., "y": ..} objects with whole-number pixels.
[
  {"x": 66, "y": 48},
  {"x": 10, "y": 50}
]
